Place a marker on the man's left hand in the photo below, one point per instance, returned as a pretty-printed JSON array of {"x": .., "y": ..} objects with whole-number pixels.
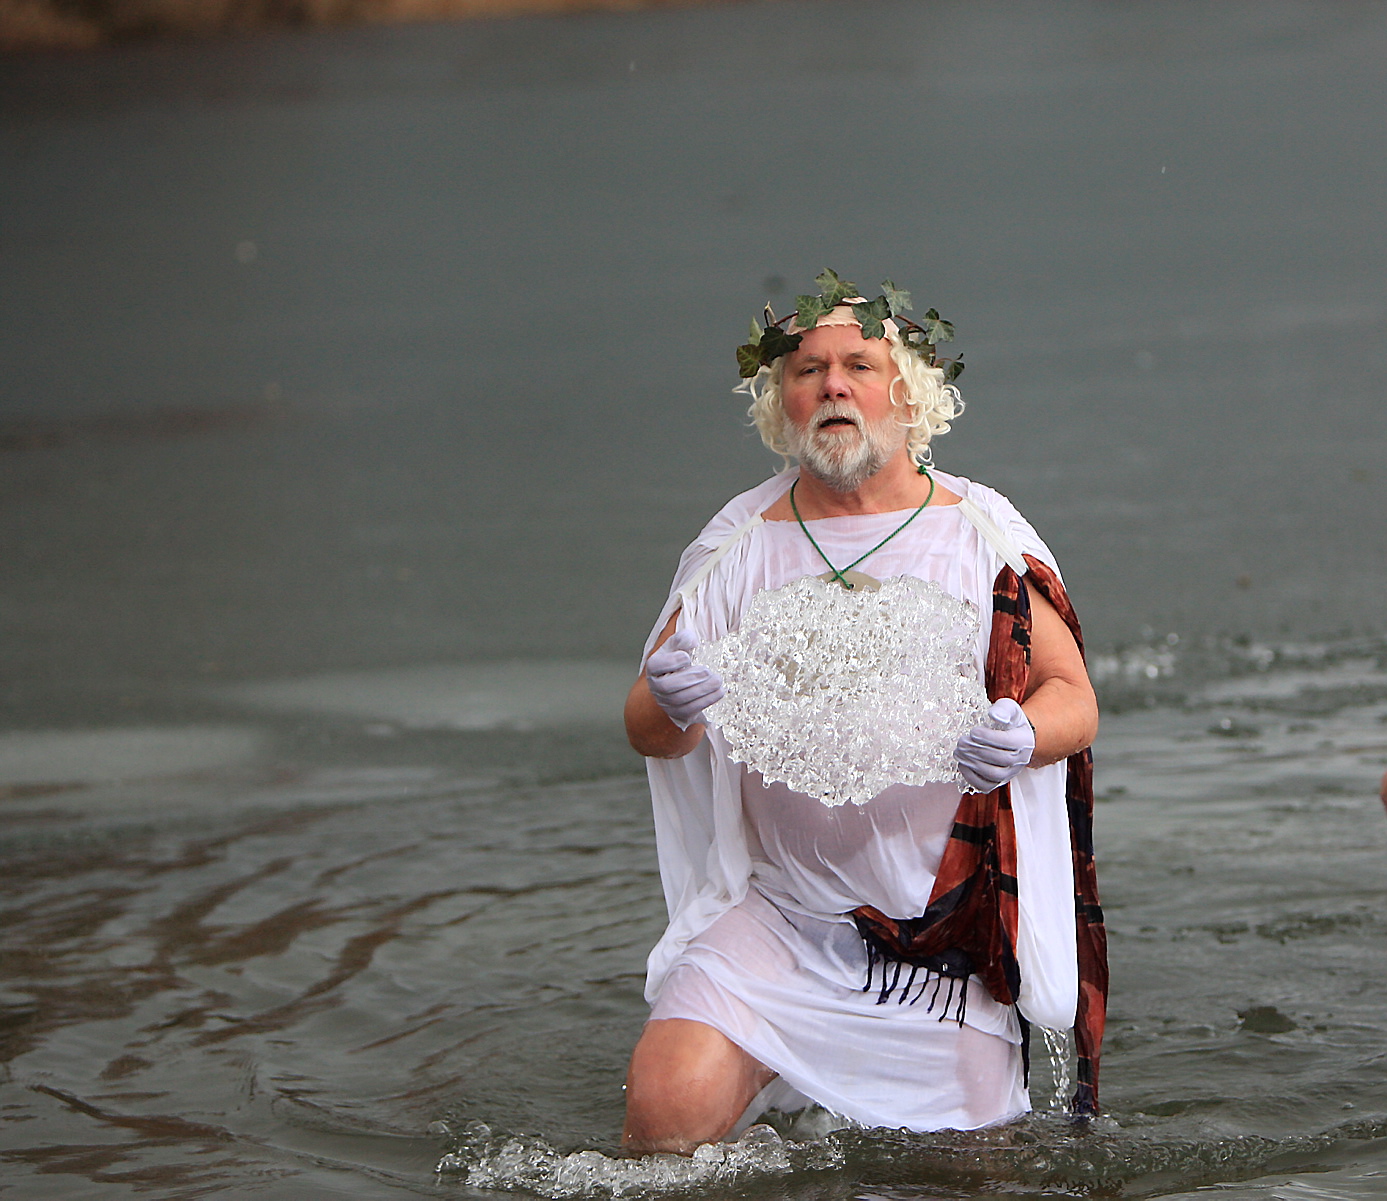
[{"x": 991, "y": 755}]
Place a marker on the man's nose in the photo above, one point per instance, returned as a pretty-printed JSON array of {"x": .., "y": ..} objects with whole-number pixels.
[{"x": 835, "y": 383}]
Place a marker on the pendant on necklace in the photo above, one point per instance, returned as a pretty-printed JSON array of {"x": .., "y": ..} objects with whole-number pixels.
[{"x": 854, "y": 581}]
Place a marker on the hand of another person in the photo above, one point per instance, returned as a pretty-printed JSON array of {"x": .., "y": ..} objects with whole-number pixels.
[
  {"x": 991, "y": 755},
  {"x": 681, "y": 687}
]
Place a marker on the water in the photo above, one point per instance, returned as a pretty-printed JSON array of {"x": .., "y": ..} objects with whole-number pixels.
[
  {"x": 321, "y": 973},
  {"x": 324, "y": 862}
]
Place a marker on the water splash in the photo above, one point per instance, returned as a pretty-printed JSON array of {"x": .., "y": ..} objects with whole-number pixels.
[
  {"x": 1045, "y": 1151},
  {"x": 526, "y": 1163},
  {"x": 1058, "y": 1045}
]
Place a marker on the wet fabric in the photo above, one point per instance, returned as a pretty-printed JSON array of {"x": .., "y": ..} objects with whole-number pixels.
[
  {"x": 809, "y": 1020},
  {"x": 971, "y": 922},
  {"x": 759, "y": 876}
]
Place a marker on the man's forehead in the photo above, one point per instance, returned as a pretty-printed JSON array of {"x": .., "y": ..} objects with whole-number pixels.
[{"x": 864, "y": 348}]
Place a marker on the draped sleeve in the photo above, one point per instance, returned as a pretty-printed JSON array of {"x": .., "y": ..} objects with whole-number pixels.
[{"x": 699, "y": 833}]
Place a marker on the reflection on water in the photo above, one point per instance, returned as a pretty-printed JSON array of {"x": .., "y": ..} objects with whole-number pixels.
[{"x": 334, "y": 965}]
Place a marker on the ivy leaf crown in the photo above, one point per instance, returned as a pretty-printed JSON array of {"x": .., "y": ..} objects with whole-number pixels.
[{"x": 769, "y": 340}]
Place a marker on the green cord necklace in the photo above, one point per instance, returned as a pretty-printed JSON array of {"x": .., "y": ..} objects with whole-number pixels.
[{"x": 840, "y": 574}]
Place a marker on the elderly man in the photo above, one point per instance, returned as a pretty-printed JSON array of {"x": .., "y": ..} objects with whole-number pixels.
[{"x": 961, "y": 896}]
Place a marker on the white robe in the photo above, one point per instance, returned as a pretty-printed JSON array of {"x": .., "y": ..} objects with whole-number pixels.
[{"x": 760, "y": 882}]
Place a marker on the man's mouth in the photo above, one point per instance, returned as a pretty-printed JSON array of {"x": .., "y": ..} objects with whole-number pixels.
[{"x": 830, "y": 422}]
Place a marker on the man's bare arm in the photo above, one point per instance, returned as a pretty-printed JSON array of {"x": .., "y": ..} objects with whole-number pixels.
[
  {"x": 648, "y": 727},
  {"x": 1059, "y": 700}
]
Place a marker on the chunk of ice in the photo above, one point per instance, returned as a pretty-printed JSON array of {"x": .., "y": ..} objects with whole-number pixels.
[{"x": 840, "y": 694}]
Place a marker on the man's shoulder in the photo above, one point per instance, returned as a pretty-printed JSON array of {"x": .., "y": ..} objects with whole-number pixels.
[
  {"x": 743, "y": 508},
  {"x": 989, "y": 500},
  {"x": 727, "y": 528},
  {"x": 1005, "y": 515}
]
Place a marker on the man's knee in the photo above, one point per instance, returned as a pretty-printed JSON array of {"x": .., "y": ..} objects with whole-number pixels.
[
  {"x": 679, "y": 1064},
  {"x": 688, "y": 1084}
]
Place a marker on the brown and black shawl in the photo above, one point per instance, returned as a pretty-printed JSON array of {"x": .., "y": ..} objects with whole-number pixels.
[{"x": 969, "y": 926}]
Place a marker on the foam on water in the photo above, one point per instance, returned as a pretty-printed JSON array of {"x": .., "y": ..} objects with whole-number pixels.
[
  {"x": 1043, "y": 1153},
  {"x": 513, "y": 1162}
]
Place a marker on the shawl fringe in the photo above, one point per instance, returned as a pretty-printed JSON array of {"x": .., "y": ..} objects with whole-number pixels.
[{"x": 969, "y": 926}]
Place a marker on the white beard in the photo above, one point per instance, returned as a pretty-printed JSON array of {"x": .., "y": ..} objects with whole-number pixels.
[{"x": 843, "y": 460}]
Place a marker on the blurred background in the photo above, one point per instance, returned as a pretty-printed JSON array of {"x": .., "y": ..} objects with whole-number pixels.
[
  {"x": 375, "y": 346},
  {"x": 364, "y": 374},
  {"x": 72, "y": 24}
]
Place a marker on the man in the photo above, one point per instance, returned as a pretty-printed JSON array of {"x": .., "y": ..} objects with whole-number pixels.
[{"x": 780, "y": 907}]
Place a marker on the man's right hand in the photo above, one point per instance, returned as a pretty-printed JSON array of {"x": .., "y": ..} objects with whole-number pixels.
[{"x": 681, "y": 687}]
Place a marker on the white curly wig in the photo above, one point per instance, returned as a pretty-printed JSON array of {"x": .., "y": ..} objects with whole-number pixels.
[{"x": 926, "y": 404}]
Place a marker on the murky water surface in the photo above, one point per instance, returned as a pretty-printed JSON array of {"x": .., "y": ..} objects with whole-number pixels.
[
  {"x": 361, "y": 389},
  {"x": 320, "y": 979}
]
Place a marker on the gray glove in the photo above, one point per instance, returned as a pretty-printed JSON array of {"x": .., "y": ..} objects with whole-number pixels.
[
  {"x": 681, "y": 687},
  {"x": 991, "y": 755}
]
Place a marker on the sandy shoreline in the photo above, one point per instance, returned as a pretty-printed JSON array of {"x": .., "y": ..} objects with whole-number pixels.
[{"x": 70, "y": 24}]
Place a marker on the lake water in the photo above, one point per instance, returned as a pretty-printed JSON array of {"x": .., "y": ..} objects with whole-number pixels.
[{"x": 360, "y": 390}]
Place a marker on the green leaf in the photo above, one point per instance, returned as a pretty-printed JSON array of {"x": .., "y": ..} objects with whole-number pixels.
[
  {"x": 897, "y": 299},
  {"x": 774, "y": 343},
  {"x": 936, "y": 328},
  {"x": 834, "y": 290},
  {"x": 755, "y": 333},
  {"x": 915, "y": 339},
  {"x": 953, "y": 369},
  {"x": 809, "y": 310},
  {"x": 748, "y": 360},
  {"x": 871, "y": 315}
]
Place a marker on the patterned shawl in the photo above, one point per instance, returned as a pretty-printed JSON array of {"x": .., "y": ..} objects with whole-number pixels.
[{"x": 969, "y": 926}]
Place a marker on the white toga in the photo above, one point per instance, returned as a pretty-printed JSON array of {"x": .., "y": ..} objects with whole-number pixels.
[{"x": 760, "y": 881}]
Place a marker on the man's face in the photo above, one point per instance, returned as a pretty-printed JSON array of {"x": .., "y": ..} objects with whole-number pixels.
[{"x": 836, "y": 389}]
